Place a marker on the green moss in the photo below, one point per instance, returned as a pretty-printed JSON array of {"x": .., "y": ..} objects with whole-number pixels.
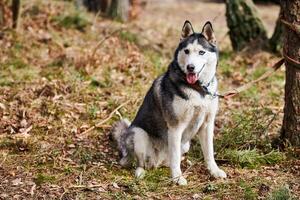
[{"x": 157, "y": 175}]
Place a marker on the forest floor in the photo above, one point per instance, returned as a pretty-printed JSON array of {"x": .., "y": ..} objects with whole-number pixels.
[{"x": 65, "y": 71}]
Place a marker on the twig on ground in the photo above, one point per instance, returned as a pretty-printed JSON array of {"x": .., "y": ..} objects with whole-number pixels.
[
  {"x": 85, "y": 186},
  {"x": 105, "y": 120},
  {"x": 187, "y": 170},
  {"x": 62, "y": 195},
  {"x": 4, "y": 159},
  {"x": 103, "y": 40},
  {"x": 265, "y": 133},
  {"x": 95, "y": 18}
]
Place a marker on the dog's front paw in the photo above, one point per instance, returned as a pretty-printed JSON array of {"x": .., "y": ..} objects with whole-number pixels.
[
  {"x": 180, "y": 180},
  {"x": 218, "y": 173}
]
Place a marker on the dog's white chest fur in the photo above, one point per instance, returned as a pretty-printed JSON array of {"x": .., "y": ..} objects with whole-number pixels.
[{"x": 193, "y": 111}]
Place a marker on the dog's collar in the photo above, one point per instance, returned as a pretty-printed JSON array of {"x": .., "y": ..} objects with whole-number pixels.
[{"x": 204, "y": 88}]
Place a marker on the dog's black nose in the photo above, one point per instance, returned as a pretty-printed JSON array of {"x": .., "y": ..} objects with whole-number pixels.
[{"x": 190, "y": 67}]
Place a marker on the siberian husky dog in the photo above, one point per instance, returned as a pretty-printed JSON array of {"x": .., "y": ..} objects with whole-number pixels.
[{"x": 181, "y": 104}]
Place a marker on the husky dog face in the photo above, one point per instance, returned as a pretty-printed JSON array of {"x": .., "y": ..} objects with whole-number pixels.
[{"x": 197, "y": 53}]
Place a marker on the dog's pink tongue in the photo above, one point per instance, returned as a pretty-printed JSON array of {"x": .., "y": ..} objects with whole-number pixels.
[{"x": 191, "y": 78}]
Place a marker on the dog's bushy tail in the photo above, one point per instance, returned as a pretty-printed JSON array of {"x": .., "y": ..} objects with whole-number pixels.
[{"x": 119, "y": 133}]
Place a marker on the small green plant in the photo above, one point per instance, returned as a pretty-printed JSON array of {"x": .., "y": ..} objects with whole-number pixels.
[
  {"x": 17, "y": 145},
  {"x": 252, "y": 158},
  {"x": 224, "y": 67},
  {"x": 128, "y": 36},
  {"x": 96, "y": 83},
  {"x": 210, "y": 188},
  {"x": 68, "y": 170},
  {"x": 258, "y": 72},
  {"x": 6, "y": 143},
  {"x": 240, "y": 142},
  {"x": 56, "y": 63},
  {"x": 15, "y": 63},
  {"x": 75, "y": 21},
  {"x": 246, "y": 130},
  {"x": 282, "y": 193},
  {"x": 93, "y": 110},
  {"x": 43, "y": 178},
  {"x": 249, "y": 193},
  {"x": 83, "y": 155}
]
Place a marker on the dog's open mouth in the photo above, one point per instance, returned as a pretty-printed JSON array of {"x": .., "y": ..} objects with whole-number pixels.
[{"x": 191, "y": 78}]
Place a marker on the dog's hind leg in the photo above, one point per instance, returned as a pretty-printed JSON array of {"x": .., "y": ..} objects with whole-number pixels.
[
  {"x": 141, "y": 148},
  {"x": 185, "y": 147}
]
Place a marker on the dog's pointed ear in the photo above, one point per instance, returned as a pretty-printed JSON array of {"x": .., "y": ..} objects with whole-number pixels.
[
  {"x": 187, "y": 29},
  {"x": 208, "y": 33}
]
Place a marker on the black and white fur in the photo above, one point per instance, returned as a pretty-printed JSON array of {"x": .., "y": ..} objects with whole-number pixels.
[{"x": 174, "y": 111}]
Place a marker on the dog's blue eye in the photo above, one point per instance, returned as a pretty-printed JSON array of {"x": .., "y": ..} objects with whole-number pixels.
[
  {"x": 186, "y": 51},
  {"x": 201, "y": 52}
]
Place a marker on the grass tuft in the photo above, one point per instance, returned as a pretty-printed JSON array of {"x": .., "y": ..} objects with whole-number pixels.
[
  {"x": 43, "y": 178},
  {"x": 249, "y": 193},
  {"x": 246, "y": 130},
  {"x": 282, "y": 193},
  {"x": 71, "y": 21},
  {"x": 252, "y": 158},
  {"x": 128, "y": 36}
]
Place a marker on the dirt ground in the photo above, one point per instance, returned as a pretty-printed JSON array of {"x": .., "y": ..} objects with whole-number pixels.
[{"x": 66, "y": 76}]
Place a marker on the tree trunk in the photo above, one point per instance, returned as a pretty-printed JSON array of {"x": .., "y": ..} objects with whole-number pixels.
[
  {"x": 244, "y": 25},
  {"x": 119, "y": 10},
  {"x": 95, "y": 5},
  {"x": 1, "y": 14},
  {"x": 116, "y": 9},
  {"x": 267, "y": 1},
  {"x": 291, "y": 121},
  {"x": 275, "y": 42},
  {"x": 15, "y": 8}
]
